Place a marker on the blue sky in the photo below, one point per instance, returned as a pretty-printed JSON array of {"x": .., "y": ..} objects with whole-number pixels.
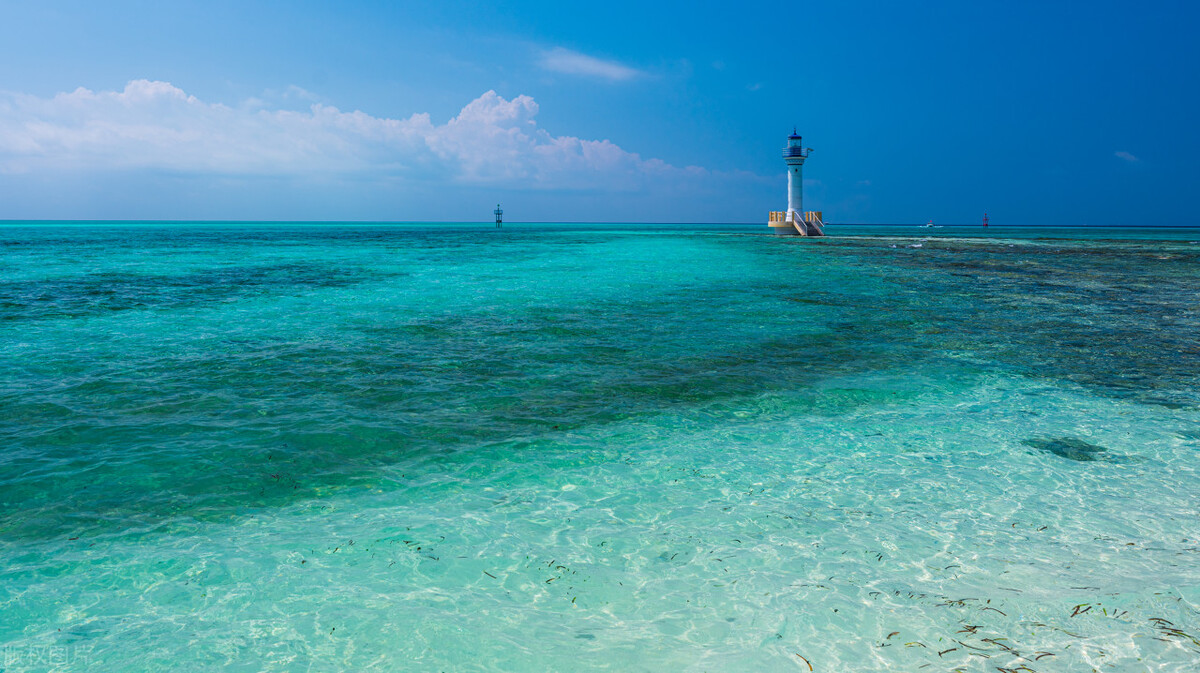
[{"x": 1037, "y": 112}]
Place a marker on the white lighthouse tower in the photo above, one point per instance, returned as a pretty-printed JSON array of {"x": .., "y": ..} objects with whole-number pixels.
[{"x": 794, "y": 221}]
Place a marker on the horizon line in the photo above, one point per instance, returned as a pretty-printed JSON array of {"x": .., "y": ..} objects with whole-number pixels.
[{"x": 9, "y": 222}]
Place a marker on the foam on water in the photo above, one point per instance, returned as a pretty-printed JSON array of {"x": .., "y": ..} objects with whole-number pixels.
[{"x": 360, "y": 448}]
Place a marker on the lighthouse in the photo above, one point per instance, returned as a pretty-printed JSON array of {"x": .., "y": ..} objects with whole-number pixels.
[
  {"x": 499, "y": 215},
  {"x": 794, "y": 221}
]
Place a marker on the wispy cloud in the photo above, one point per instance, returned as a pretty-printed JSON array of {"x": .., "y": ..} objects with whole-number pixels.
[
  {"x": 1126, "y": 156},
  {"x": 574, "y": 63},
  {"x": 158, "y": 127}
]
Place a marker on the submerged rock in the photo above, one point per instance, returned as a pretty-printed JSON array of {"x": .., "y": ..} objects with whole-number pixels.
[{"x": 1068, "y": 447}]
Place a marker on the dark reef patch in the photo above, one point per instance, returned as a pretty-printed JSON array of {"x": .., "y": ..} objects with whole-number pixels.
[
  {"x": 1118, "y": 317},
  {"x": 100, "y": 293},
  {"x": 1069, "y": 447}
]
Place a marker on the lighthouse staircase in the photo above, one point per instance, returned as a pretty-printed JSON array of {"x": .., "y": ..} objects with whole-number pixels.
[
  {"x": 791, "y": 223},
  {"x": 813, "y": 223}
]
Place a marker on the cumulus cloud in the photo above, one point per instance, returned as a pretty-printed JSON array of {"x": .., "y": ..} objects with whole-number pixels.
[
  {"x": 157, "y": 126},
  {"x": 574, "y": 63},
  {"x": 1126, "y": 156}
]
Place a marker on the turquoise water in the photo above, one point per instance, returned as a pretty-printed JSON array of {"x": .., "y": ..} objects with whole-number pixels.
[{"x": 631, "y": 448}]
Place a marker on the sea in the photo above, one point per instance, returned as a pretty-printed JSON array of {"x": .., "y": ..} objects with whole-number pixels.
[{"x": 435, "y": 447}]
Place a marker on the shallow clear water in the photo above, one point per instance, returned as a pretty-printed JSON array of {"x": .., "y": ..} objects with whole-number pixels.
[{"x": 355, "y": 447}]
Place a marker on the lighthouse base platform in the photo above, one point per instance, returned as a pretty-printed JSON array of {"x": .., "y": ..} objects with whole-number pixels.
[{"x": 791, "y": 224}]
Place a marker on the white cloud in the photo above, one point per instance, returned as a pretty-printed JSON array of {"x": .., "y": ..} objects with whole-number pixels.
[
  {"x": 1126, "y": 156},
  {"x": 294, "y": 91},
  {"x": 574, "y": 63},
  {"x": 159, "y": 127}
]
